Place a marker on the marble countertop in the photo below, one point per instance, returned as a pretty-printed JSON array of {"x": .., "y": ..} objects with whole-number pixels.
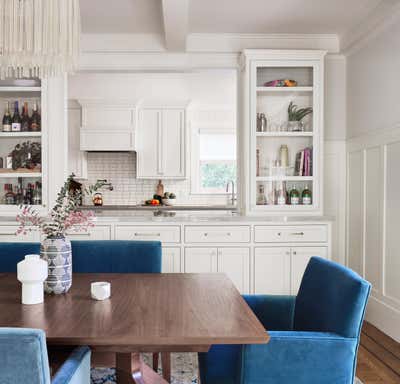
[{"x": 199, "y": 218}]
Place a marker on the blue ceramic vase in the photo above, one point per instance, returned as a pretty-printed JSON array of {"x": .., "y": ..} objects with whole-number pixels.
[{"x": 57, "y": 253}]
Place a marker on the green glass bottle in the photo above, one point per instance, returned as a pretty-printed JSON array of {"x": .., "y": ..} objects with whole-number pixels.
[
  {"x": 294, "y": 196},
  {"x": 306, "y": 196}
]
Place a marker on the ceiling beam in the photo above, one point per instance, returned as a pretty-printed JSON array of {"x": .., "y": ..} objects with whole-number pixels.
[{"x": 176, "y": 15}]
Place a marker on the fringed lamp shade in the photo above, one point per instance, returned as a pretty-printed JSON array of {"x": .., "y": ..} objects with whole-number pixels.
[{"x": 38, "y": 38}]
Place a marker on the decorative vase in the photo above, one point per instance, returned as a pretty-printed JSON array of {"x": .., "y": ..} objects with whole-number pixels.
[{"x": 57, "y": 252}]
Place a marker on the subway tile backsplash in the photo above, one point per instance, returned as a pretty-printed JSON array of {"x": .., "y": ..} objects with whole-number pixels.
[{"x": 119, "y": 168}]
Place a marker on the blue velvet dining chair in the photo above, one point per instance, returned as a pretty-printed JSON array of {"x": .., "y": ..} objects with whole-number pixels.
[
  {"x": 314, "y": 337},
  {"x": 23, "y": 359}
]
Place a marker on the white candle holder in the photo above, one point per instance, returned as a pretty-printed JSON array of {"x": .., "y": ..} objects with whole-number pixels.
[{"x": 100, "y": 290}]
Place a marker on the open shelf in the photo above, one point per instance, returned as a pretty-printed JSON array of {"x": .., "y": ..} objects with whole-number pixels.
[
  {"x": 284, "y": 178},
  {"x": 284, "y": 89},
  {"x": 16, "y": 89},
  {"x": 284, "y": 134},
  {"x": 9, "y": 173},
  {"x": 20, "y": 134}
]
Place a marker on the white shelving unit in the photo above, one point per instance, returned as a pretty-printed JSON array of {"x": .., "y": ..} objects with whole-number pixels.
[
  {"x": 261, "y": 149},
  {"x": 11, "y": 91}
]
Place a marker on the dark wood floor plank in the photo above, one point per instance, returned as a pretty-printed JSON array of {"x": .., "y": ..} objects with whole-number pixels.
[
  {"x": 370, "y": 370},
  {"x": 382, "y": 339}
]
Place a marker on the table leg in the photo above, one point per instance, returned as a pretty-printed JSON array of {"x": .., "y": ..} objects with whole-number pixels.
[
  {"x": 166, "y": 365},
  {"x": 132, "y": 370}
]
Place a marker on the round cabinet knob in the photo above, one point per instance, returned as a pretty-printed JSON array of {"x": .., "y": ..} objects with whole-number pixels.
[
  {"x": 294, "y": 253},
  {"x": 279, "y": 233}
]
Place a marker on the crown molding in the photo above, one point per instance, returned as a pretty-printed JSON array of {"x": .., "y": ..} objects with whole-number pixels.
[
  {"x": 234, "y": 42},
  {"x": 382, "y": 17},
  {"x": 207, "y": 42}
]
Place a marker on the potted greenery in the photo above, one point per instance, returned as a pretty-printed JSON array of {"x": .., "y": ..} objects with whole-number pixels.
[
  {"x": 295, "y": 117},
  {"x": 55, "y": 247}
]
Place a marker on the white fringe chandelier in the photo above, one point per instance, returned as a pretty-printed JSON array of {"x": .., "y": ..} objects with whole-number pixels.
[{"x": 38, "y": 38}]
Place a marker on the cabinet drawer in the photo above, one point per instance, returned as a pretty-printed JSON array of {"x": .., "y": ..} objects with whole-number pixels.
[
  {"x": 290, "y": 234},
  {"x": 165, "y": 234},
  {"x": 223, "y": 234},
  {"x": 99, "y": 232},
  {"x": 8, "y": 234}
]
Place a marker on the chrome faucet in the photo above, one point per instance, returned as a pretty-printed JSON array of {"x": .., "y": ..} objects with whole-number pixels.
[{"x": 233, "y": 197}]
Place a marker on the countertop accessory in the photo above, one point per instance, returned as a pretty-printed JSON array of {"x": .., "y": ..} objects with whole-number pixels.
[
  {"x": 100, "y": 290},
  {"x": 32, "y": 272},
  {"x": 168, "y": 202}
]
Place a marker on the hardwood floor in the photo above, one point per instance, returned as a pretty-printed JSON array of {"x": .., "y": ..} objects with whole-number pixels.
[{"x": 378, "y": 357}]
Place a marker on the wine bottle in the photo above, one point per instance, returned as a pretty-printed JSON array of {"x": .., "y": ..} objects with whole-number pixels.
[
  {"x": 16, "y": 119},
  {"x": 306, "y": 196},
  {"x": 25, "y": 118},
  {"x": 294, "y": 196},
  {"x": 35, "y": 119},
  {"x": 7, "y": 121}
]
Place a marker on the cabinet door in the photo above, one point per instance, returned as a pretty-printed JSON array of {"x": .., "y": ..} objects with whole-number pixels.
[
  {"x": 272, "y": 270},
  {"x": 173, "y": 143},
  {"x": 200, "y": 260},
  {"x": 235, "y": 262},
  {"x": 300, "y": 257},
  {"x": 171, "y": 260},
  {"x": 149, "y": 164},
  {"x": 77, "y": 159}
]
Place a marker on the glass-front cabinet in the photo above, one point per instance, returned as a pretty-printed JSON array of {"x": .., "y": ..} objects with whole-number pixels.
[
  {"x": 283, "y": 121},
  {"x": 22, "y": 152}
]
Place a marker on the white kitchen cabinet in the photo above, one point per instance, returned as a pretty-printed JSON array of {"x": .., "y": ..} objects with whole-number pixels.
[
  {"x": 279, "y": 270},
  {"x": 235, "y": 262},
  {"x": 107, "y": 125},
  {"x": 171, "y": 260},
  {"x": 300, "y": 256},
  {"x": 232, "y": 261},
  {"x": 272, "y": 270},
  {"x": 8, "y": 235},
  {"x": 77, "y": 159},
  {"x": 201, "y": 260},
  {"x": 99, "y": 232},
  {"x": 161, "y": 143}
]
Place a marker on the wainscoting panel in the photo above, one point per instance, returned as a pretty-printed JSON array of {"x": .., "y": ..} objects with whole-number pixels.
[
  {"x": 392, "y": 249},
  {"x": 373, "y": 212},
  {"x": 373, "y": 216},
  {"x": 355, "y": 210}
]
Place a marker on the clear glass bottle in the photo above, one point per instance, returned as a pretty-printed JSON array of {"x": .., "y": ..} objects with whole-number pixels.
[
  {"x": 281, "y": 196},
  {"x": 261, "y": 198}
]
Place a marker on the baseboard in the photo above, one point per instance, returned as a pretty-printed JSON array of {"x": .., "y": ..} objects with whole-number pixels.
[{"x": 384, "y": 317}]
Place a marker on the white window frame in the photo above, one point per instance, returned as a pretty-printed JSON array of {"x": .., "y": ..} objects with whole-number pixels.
[{"x": 195, "y": 158}]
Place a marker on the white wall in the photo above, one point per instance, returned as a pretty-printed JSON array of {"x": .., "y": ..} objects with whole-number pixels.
[{"x": 373, "y": 249}]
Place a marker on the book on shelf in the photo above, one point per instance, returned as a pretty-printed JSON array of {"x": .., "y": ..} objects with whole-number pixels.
[{"x": 303, "y": 163}]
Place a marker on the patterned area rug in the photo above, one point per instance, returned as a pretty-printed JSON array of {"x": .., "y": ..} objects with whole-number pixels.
[{"x": 184, "y": 370}]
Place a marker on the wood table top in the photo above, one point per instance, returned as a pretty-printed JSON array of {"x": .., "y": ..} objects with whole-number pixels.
[{"x": 170, "y": 311}]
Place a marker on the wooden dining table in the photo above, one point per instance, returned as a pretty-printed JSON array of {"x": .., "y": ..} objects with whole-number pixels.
[{"x": 145, "y": 313}]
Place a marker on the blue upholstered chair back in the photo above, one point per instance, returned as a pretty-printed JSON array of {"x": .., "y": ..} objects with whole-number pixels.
[
  {"x": 116, "y": 256},
  {"x": 108, "y": 256},
  {"x": 331, "y": 298},
  {"x": 12, "y": 253},
  {"x": 23, "y": 356}
]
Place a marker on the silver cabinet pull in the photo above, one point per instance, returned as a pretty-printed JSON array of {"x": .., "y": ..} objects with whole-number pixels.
[
  {"x": 297, "y": 234},
  {"x": 8, "y": 234},
  {"x": 279, "y": 233},
  {"x": 294, "y": 253},
  {"x": 147, "y": 234},
  {"x": 217, "y": 234}
]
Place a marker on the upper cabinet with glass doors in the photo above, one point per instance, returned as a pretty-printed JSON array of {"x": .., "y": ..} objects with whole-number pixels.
[{"x": 283, "y": 128}]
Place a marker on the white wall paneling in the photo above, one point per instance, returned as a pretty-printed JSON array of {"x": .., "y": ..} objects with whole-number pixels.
[{"x": 373, "y": 214}]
